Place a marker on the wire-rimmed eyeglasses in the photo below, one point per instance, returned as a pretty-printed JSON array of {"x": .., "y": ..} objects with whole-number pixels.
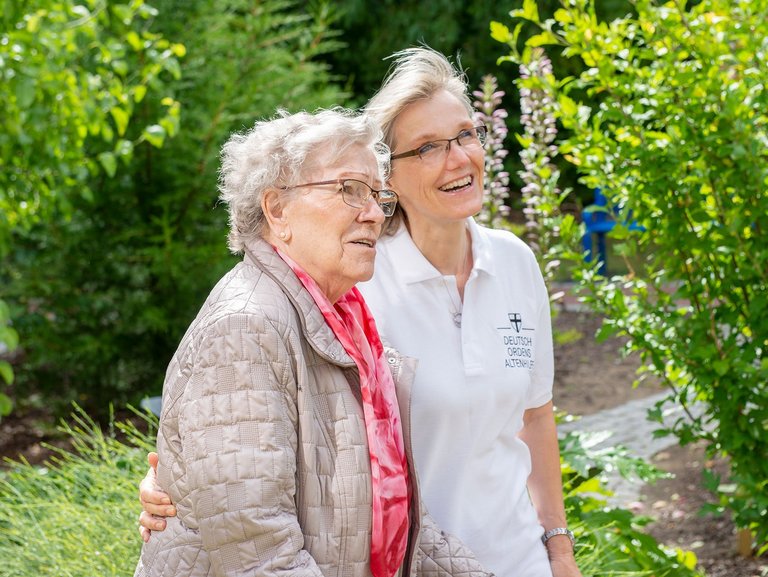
[
  {"x": 356, "y": 193},
  {"x": 436, "y": 150}
]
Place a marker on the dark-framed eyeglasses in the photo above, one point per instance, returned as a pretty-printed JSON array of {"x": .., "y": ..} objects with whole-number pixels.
[
  {"x": 356, "y": 193},
  {"x": 437, "y": 150}
]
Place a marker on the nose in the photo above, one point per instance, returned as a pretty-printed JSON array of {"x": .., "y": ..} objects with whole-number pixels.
[
  {"x": 371, "y": 212},
  {"x": 456, "y": 153}
]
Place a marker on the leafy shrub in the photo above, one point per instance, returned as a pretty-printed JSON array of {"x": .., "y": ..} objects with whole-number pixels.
[
  {"x": 76, "y": 77},
  {"x": 678, "y": 139},
  {"x": 102, "y": 294},
  {"x": 611, "y": 541}
]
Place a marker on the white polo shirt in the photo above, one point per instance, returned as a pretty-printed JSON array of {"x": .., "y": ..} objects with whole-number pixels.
[{"x": 472, "y": 386}]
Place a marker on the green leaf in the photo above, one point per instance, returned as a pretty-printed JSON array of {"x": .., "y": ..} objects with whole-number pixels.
[
  {"x": 567, "y": 105},
  {"x": 123, "y": 12},
  {"x": 124, "y": 150},
  {"x": 9, "y": 336},
  {"x": 155, "y": 135},
  {"x": 6, "y": 372},
  {"x": 134, "y": 40},
  {"x": 120, "y": 67},
  {"x": 500, "y": 32},
  {"x": 531, "y": 10},
  {"x": 121, "y": 118},
  {"x": 179, "y": 50},
  {"x": 109, "y": 162},
  {"x": 139, "y": 92},
  {"x": 563, "y": 16},
  {"x": 721, "y": 367},
  {"x": 542, "y": 39},
  {"x": 6, "y": 405}
]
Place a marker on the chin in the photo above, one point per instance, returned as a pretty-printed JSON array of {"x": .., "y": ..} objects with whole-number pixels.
[{"x": 365, "y": 276}]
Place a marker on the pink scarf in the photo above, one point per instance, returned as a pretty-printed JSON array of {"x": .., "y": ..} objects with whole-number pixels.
[{"x": 353, "y": 325}]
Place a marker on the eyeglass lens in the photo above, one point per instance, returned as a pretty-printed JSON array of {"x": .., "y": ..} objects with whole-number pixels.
[
  {"x": 436, "y": 150},
  {"x": 356, "y": 193},
  {"x": 466, "y": 138}
]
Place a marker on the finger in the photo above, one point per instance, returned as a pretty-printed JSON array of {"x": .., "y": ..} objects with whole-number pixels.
[
  {"x": 151, "y": 493},
  {"x": 151, "y": 522},
  {"x": 152, "y": 459},
  {"x": 145, "y": 534},
  {"x": 153, "y": 508}
]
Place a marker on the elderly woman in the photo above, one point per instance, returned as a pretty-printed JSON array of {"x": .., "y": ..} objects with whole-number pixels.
[
  {"x": 470, "y": 304},
  {"x": 280, "y": 439}
]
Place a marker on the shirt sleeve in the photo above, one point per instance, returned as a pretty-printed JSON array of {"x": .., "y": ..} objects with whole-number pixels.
[
  {"x": 238, "y": 426},
  {"x": 543, "y": 374}
]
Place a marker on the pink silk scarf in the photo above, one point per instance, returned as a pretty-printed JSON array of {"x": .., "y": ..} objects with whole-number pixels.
[{"x": 353, "y": 325}]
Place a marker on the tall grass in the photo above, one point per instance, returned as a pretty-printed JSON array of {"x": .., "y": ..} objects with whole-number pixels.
[{"x": 76, "y": 516}]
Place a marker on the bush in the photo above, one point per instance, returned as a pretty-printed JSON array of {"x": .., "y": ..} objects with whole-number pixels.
[
  {"x": 611, "y": 541},
  {"x": 75, "y": 76},
  {"x": 102, "y": 294},
  {"x": 678, "y": 138}
]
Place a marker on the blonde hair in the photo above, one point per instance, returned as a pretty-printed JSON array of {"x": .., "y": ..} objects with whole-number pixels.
[
  {"x": 416, "y": 74},
  {"x": 278, "y": 153}
]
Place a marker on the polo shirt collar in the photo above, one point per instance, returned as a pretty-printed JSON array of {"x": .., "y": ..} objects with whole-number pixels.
[{"x": 413, "y": 267}]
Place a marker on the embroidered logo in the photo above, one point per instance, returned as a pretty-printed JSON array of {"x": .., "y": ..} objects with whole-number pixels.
[{"x": 518, "y": 347}]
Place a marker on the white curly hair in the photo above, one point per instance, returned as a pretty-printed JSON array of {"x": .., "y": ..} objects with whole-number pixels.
[{"x": 278, "y": 152}]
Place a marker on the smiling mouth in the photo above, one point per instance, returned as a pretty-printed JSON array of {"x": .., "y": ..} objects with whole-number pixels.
[{"x": 457, "y": 184}]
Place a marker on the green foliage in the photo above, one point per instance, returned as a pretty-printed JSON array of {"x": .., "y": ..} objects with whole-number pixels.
[
  {"x": 670, "y": 118},
  {"x": 77, "y": 514},
  {"x": 102, "y": 297},
  {"x": 9, "y": 340},
  {"x": 611, "y": 541},
  {"x": 74, "y": 78},
  {"x": 74, "y": 75}
]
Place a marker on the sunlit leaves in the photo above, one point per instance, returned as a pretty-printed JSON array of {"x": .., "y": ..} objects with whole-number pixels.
[
  {"x": 677, "y": 133},
  {"x": 72, "y": 77}
]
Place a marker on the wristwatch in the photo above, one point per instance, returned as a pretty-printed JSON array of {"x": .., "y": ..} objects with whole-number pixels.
[{"x": 558, "y": 531}]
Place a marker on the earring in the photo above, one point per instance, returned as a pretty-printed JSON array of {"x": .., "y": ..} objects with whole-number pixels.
[{"x": 282, "y": 235}]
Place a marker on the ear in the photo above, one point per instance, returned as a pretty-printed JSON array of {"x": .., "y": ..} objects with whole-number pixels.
[{"x": 273, "y": 207}]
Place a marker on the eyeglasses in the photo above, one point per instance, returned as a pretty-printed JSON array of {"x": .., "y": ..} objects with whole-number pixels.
[
  {"x": 436, "y": 150},
  {"x": 356, "y": 193}
]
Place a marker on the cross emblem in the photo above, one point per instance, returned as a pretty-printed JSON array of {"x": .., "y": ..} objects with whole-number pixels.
[{"x": 515, "y": 320}]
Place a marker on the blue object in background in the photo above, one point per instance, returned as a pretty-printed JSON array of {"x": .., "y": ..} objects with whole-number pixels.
[
  {"x": 152, "y": 404},
  {"x": 599, "y": 221}
]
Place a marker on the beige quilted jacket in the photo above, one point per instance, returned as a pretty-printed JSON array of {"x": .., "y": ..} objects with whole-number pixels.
[{"x": 263, "y": 446}]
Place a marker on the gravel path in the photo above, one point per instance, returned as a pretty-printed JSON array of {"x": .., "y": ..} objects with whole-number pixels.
[{"x": 628, "y": 425}]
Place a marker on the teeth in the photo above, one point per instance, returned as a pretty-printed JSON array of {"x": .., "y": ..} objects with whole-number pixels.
[{"x": 457, "y": 183}]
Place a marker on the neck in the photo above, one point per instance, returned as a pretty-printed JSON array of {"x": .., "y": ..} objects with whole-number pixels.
[{"x": 448, "y": 248}]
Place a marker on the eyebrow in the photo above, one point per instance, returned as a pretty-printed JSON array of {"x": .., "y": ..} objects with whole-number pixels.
[
  {"x": 429, "y": 136},
  {"x": 365, "y": 177}
]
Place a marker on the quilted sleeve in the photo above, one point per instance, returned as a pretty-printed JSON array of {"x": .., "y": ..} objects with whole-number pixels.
[
  {"x": 443, "y": 555},
  {"x": 239, "y": 440}
]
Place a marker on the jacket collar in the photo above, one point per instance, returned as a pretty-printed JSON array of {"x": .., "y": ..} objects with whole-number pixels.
[{"x": 259, "y": 253}]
